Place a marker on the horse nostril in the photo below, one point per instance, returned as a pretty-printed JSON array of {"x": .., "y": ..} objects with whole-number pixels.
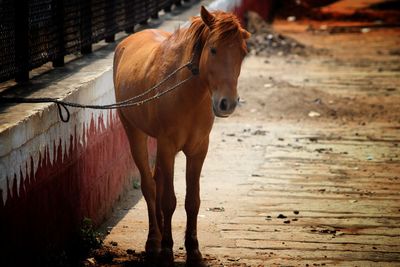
[{"x": 223, "y": 105}]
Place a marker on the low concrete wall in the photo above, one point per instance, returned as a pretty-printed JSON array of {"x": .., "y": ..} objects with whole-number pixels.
[{"x": 53, "y": 174}]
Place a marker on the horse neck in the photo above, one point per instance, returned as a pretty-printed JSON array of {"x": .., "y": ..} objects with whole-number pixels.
[{"x": 197, "y": 88}]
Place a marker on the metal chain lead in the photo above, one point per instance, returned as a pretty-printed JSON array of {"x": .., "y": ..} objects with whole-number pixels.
[{"x": 152, "y": 88}]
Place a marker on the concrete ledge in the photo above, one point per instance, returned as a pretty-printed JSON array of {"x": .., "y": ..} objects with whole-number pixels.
[
  {"x": 53, "y": 174},
  {"x": 28, "y": 130}
]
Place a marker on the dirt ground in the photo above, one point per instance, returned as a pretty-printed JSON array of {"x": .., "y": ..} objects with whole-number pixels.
[{"x": 306, "y": 172}]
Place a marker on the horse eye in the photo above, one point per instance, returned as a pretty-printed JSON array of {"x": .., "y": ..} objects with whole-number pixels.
[{"x": 213, "y": 50}]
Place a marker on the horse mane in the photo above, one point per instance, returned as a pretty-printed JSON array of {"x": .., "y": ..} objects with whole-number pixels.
[{"x": 226, "y": 28}]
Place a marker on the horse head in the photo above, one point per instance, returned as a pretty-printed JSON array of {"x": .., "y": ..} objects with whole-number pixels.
[{"x": 223, "y": 51}]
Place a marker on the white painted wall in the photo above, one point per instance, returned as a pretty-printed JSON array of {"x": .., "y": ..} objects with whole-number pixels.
[
  {"x": 224, "y": 5},
  {"x": 28, "y": 136}
]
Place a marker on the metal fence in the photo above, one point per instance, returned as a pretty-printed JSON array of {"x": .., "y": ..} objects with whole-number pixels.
[{"x": 34, "y": 32}]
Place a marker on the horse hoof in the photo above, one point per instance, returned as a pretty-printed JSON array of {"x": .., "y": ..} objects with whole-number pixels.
[
  {"x": 166, "y": 257},
  {"x": 195, "y": 259},
  {"x": 151, "y": 257},
  {"x": 152, "y": 248},
  {"x": 200, "y": 263},
  {"x": 152, "y": 254}
]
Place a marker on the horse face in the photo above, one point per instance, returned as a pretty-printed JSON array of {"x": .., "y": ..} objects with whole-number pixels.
[{"x": 220, "y": 66}]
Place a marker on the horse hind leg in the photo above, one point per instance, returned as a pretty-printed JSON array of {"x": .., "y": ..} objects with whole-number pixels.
[
  {"x": 138, "y": 145},
  {"x": 158, "y": 177},
  {"x": 165, "y": 162}
]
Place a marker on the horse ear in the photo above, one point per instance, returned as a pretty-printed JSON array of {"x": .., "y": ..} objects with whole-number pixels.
[
  {"x": 207, "y": 17},
  {"x": 245, "y": 34}
]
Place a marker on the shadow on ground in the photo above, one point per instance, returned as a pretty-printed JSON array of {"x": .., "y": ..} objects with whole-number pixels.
[{"x": 114, "y": 257}]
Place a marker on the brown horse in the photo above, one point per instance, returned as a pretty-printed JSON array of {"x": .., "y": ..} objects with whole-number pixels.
[{"x": 180, "y": 120}]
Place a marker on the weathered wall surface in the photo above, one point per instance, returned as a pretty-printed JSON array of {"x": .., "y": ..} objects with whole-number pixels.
[{"x": 53, "y": 174}]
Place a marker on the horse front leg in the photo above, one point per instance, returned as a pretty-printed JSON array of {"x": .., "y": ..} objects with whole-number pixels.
[
  {"x": 194, "y": 164},
  {"x": 138, "y": 144}
]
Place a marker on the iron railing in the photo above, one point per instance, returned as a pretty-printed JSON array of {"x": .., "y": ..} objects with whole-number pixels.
[{"x": 34, "y": 32}]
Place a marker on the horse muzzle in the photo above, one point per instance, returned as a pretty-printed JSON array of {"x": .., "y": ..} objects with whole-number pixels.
[{"x": 223, "y": 107}]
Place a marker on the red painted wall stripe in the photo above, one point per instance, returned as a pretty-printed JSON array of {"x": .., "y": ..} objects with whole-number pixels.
[{"x": 85, "y": 183}]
